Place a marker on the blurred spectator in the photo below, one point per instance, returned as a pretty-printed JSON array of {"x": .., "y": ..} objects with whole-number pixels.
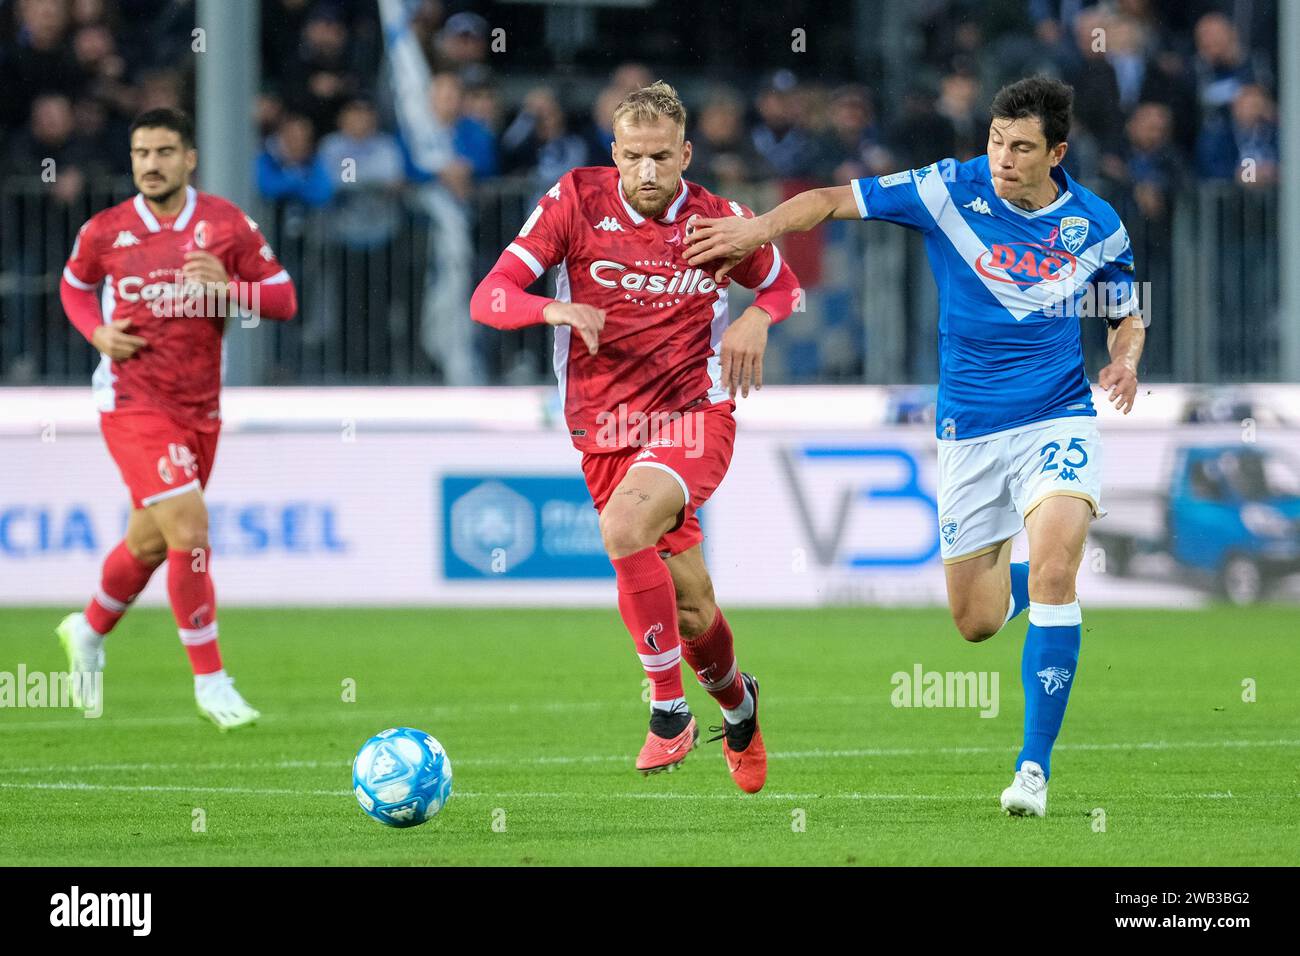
[
  {"x": 38, "y": 60},
  {"x": 1221, "y": 68},
  {"x": 600, "y": 132},
  {"x": 365, "y": 166},
  {"x": 51, "y": 147},
  {"x": 630, "y": 76},
  {"x": 1151, "y": 168},
  {"x": 319, "y": 79},
  {"x": 462, "y": 42},
  {"x": 851, "y": 148},
  {"x": 1096, "y": 89},
  {"x": 921, "y": 134},
  {"x": 787, "y": 147},
  {"x": 289, "y": 169},
  {"x": 959, "y": 103},
  {"x": 722, "y": 155},
  {"x": 481, "y": 100},
  {"x": 1254, "y": 126},
  {"x": 538, "y": 140},
  {"x": 159, "y": 89},
  {"x": 473, "y": 143},
  {"x": 1126, "y": 52}
]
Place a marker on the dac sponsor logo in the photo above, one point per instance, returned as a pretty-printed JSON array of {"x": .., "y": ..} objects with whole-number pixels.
[{"x": 1025, "y": 263}]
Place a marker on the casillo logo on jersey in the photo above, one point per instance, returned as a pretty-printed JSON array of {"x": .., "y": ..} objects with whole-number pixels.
[
  {"x": 1024, "y": 263},
  {"x": 125, "y": 238},
  {"x": 978, "y": 205},
  {"x": 609, "y": 224},
  {"x": 690, "y": 282}
]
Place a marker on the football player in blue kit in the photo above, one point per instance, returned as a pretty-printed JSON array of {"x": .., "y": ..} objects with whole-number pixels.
[{"x": 1019, "y": 250}]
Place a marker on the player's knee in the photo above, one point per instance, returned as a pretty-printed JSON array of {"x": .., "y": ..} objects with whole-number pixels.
[
  {"x": 695, "y": 617},
  {"x": 975, "y": 625},
  {"x": 1051, "y": 581},
  {"x": 188, "y": 536},
  {"x": 624, "y": 533},
  {"x": 150, "y": 552}
]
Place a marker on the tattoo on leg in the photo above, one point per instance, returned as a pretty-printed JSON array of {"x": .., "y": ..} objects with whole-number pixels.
[{"x": 638, "y": 492}]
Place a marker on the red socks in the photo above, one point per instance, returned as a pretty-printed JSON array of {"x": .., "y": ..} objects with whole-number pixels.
[
  {"x": 194, "y": 604},
  {"x": 713, "y": 658},
  {"x": 648, "y": 602},
  {"x": 124, "y": 576}
]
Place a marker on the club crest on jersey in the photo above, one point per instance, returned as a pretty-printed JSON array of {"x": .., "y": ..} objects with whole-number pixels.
[
  {"x": 202, "y": 233},
  {"x": 1074, "y": 230},
  {"x": 948, "y": 528},
  {"x": 1053, "y": 678}
]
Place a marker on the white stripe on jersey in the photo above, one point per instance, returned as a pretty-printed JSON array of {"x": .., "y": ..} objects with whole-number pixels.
[
  {"x": 1017, "y": 300},
  {"x": 75, "y": 282},
  {"x": 191, "y": 200},
  {"x": 563, "y": 334},
  {"x": 721, "y": 319},
  {"x": 101, "y": 383},
  {"x": 772, "y": 273},
  {"x": 527, "y": 258},
  {"x": 276, "y": 279}
]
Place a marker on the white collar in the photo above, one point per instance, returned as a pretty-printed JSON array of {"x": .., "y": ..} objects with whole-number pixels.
[
  {"x": 151, "y": 221},
  {"x": 670, "y": 214}
]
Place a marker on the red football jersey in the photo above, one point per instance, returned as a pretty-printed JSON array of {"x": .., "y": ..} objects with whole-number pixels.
[
  {"x": 139, "y": 260},
  {"x": 660, "y": 348}
]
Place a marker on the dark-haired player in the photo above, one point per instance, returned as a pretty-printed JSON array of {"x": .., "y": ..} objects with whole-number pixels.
[
  {"x": 1015, "y": 245},
  {"x": 150, "y": 284}
]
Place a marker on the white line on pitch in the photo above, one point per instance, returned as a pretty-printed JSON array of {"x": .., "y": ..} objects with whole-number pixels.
[
  {"x": 1148, "y": 745},
  {"x": 574, "y": 796}
]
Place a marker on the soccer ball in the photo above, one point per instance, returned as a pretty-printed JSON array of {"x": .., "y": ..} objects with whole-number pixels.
[{"x": 401, "y": 777}]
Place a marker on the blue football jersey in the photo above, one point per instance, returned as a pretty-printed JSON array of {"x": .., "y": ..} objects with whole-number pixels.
[{"x": 1010, "y": 289}]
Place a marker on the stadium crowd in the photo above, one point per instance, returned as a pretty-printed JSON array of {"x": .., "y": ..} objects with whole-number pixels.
[
  {"x": 1168, "y": 93},
  {"x": 1165, "y": 90}
]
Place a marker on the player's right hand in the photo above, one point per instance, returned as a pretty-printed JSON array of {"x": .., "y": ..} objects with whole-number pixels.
[
  {"x": 587, "y": 320},
  {"x": 115, "y": 342}
]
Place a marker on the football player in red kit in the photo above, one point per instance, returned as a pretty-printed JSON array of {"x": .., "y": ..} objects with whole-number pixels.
[
  {"x": 169, "y": 265},
  {"x": 649, "y": 364}
]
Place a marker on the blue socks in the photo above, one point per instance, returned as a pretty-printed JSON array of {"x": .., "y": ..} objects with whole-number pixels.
[
  {"x": 1047, "y": 667},
  {"x": 1019, "y": 590}
]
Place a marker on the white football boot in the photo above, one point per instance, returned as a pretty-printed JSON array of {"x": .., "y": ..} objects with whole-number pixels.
[
  {"x": 85, "y": 650},
  {"x": 218, "y": 701},
  {"x": 1027, "y": 795}
]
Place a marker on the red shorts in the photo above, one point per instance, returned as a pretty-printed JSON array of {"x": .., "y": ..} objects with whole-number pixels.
[
  {"x": 695, "y": 449},
  {"x": 158, "y": 457}
]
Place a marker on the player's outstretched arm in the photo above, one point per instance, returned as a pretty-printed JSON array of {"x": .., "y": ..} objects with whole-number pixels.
[
  {"x": 1119, "y": 378},
  {"x": 731, "y": 238}
]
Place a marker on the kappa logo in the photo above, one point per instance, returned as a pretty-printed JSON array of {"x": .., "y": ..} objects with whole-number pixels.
[
  {"x": 645, "y": 454},
  {"x": 125, "y": 238},
  {"x": 1053, "y": 678},
  {"x": 650, "y": 638},
  {"x": 609, "y": 224},
  {"x": 948, "y": 528},
  {"x": 1074, "y": 230},
  {"x": 978, "y": 205},
  {"x": 1067, "y": 474}
]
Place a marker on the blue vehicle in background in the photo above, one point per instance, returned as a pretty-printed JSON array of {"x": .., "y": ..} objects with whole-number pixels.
[{"x": 1231, "y": 522}]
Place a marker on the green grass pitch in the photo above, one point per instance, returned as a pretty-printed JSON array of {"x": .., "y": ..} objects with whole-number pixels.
[{"x": 1161, "y": 761}]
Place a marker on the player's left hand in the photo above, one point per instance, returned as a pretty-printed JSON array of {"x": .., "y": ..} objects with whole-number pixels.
[
  {"x": 728, "y": 239},
  {"x": 1120, "y": 382},
  {"x": 205, "y": 269},
  {"x": 743, "y": 345}
]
